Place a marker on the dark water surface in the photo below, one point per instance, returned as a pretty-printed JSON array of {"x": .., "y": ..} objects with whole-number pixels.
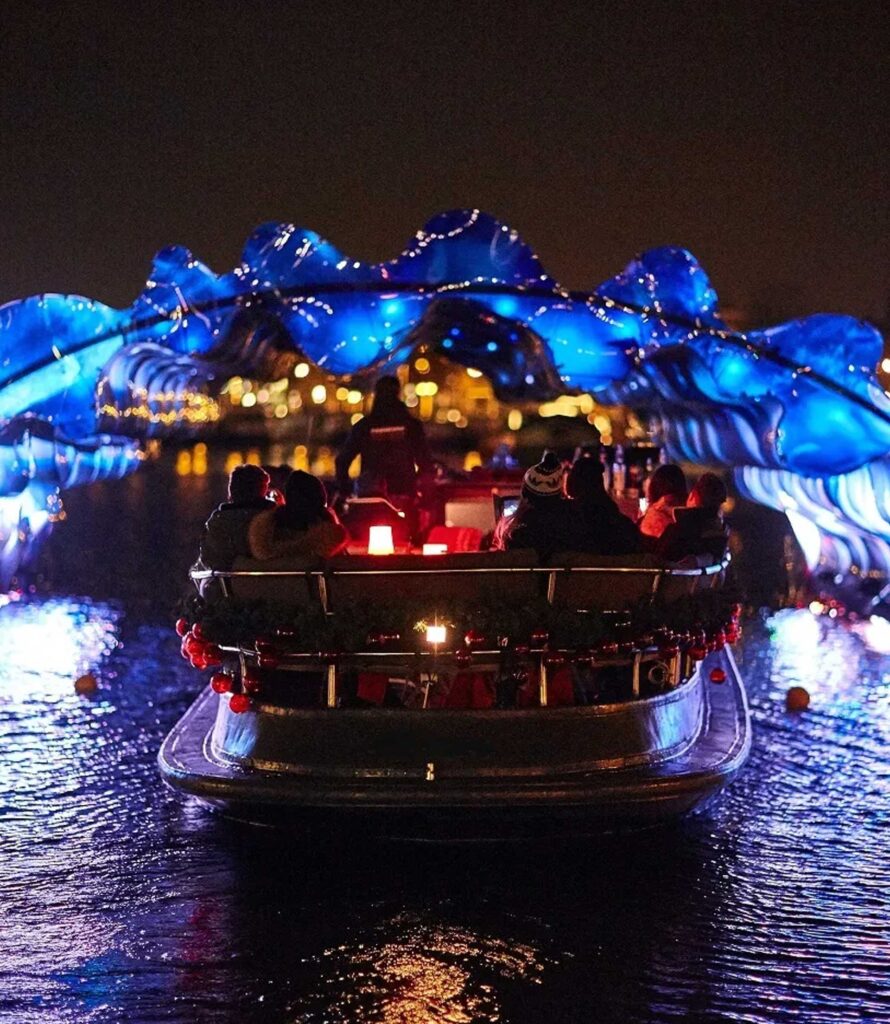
[{"x": 120, "y": 902}]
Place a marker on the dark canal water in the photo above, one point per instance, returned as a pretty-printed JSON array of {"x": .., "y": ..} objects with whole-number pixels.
[{"x": 122, "y": 903}]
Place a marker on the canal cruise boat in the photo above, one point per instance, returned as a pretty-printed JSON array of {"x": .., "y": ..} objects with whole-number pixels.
[{"x": 461, "y": 695}]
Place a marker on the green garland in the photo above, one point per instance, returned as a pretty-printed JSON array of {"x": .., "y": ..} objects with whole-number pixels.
[{"x": 360, "y": 625}]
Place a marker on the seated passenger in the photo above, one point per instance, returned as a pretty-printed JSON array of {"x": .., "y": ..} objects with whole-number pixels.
[
  {"x": 598, "y": 526},
  {"x": 304, "y": 528},
  {"x": 699, "y": 528},
  {"x": 542, "y": 520},
  {"x": 666, "y": 491},
  {"x": 225, "y": 532}
]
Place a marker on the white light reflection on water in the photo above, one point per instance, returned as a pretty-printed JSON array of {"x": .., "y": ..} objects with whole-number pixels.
[
  {"x": 51, "y": 751},
  {"x": 875, "y": 634},
  {"x": 48, "y": 644}
]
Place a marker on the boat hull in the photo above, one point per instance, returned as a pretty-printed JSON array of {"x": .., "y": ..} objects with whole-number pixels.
[{"x": 467, "y": 775}]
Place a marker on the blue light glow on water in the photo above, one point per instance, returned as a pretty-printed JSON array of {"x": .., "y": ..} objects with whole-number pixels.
[{"x": 124, "y": 903}]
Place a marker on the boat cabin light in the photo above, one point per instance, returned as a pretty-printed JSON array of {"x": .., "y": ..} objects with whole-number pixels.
[
  {"x": 380, "y": 540},
  {"x": 435, "y": 549},
  {"x": 436, "y": 634}
]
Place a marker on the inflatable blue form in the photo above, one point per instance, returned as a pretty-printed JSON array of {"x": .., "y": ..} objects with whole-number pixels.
[{"x": 794, "y": 410}]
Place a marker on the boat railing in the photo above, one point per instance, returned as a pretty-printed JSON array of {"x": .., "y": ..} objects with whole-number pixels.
[{"x": 605, "y": 588}]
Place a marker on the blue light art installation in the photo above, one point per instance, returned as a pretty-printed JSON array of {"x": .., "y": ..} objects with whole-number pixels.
[{"x": 83, "y": 384}]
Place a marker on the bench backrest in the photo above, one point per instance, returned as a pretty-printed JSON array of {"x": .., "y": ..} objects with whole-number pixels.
[
  {"x": 282, "y": 581},
  {"x": 464, "y": 576},
  {"x": 604, "y": 583}
]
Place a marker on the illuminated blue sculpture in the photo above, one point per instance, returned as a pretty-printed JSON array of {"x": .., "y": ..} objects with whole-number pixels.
[{"x": 86, "y": 382}]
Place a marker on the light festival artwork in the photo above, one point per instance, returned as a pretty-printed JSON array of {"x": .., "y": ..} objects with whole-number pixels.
[{"x": 794, "y": 410}]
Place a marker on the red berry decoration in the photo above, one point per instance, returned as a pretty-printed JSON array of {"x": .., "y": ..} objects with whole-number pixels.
[
  {"x": 718, "y": 675},
  {"x": 251, "y": 685},
  {"x": 220, "y": 682},
  {"x": 198, "y": 631},
  {"x": 239, "y": 703},
  {"x": 462, "y": 658},
  {"x": 193, "y": 645},
  {"x": 697, "y": 652},
  {"x": 183, "y": 649},
  {"x": 182, "y": 627},
  {"x": 212, "y": 655}
]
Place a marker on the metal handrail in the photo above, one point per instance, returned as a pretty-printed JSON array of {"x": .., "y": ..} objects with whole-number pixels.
[{"x": 709, "y": 570}]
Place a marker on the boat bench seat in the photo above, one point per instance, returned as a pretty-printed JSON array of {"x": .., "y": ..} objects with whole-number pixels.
[
  {"x": 352, "y": 578},
  {"x": 572, "y": 579},
  {"x": 283, "y": 581},
  {"x": 604, "y": 582}
]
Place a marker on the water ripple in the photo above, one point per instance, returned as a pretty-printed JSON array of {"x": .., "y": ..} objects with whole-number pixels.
[{"x": 122, "y": 903}]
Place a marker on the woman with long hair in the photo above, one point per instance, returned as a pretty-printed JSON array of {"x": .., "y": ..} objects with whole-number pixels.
[{"x": 302, "y": 528}]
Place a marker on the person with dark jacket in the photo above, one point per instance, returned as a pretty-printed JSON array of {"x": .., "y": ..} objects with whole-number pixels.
[
  {"x": 698, "y": 528},
  {"x": 303, "y": 528},
  {"x": 391, "y": 443},
  {"x": 225, "y": 532},
  {"x": 542, "y": 520},
  {"x": 598, "y": 527}
]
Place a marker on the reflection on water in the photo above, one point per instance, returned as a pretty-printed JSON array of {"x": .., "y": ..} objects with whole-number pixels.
[{"x": 122, "y": 903}]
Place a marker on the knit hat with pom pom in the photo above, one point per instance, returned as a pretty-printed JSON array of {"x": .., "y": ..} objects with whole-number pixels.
[{"x": 546, "y": 479}]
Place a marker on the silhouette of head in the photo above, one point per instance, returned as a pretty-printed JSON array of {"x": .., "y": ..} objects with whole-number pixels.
[
  {"x": 545, "y": 480},
  {"x": 386, "y": 392},
  {"x": 667, "y": 480},
  {"x": 248, "y": 483},
  {"x": 585, "y": 480},
  {"x": 708, "y": 493}
]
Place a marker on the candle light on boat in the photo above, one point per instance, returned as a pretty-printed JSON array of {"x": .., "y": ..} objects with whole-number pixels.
[{"x": 380, "y": 540}]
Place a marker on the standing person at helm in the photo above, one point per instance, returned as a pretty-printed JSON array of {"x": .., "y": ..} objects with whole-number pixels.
[{"x": 391, "y": 443}]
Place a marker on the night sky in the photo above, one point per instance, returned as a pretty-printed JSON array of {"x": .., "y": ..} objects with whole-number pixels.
[{"x": 755, "y": 135}]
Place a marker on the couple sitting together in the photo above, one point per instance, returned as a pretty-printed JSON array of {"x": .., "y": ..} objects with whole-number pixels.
[
  {"x": 570, "y": 510},
  {"x": 252, "y": 525}
]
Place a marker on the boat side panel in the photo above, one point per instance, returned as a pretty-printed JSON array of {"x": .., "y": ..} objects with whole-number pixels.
[{"x": 459, "y": 744}]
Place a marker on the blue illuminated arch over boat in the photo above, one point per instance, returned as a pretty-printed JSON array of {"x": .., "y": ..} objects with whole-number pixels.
[{"x": 84, "y": 383}]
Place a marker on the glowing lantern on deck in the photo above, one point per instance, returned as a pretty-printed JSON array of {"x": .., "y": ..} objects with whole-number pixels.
[
  {"x": 380, "y": 540},
  {"x": 436, "y": 634}
]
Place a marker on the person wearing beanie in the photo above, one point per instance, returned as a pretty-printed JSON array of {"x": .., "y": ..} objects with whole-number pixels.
[
  {"x": 303, "y": 528},
  {"x": 542, "y": 520},
  {"x": 225, "y": 532}
]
